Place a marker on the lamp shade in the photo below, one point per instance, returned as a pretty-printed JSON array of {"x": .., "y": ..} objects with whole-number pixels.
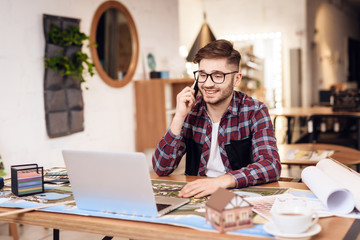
[{"x": 204, "y": 37}]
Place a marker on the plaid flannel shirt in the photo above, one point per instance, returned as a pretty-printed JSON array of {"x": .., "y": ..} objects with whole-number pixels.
[{"x": 244, "y": 118}]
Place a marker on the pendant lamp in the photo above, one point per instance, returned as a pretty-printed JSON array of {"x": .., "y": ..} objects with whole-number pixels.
[{"x": 204, "y": 37}]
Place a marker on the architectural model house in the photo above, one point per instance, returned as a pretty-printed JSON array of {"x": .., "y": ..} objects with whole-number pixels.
[{"x": 228, "y": 211}]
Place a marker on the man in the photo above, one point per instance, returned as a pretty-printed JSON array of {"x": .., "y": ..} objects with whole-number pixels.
[{"x": 225, "y": 134}]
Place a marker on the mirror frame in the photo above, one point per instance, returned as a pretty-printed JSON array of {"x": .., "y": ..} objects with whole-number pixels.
[{"x": 134, "y": 44}]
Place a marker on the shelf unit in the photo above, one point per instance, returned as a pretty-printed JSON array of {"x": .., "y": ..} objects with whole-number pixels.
[
  {"x": 252, "y": 69},
  {"x": 155, "y": 102}
]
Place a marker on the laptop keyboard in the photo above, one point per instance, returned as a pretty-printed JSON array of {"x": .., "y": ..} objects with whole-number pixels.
[{"x": 161, "y": 206}]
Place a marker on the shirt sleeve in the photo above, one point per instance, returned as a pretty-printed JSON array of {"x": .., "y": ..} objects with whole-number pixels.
[
  {"x": 168, "y": 154},
  {"x": 266, "y": 166}
]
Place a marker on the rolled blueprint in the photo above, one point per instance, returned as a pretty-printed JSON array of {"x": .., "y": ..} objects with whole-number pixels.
[
  {"x": 343, "y": 175},
  {"x": 334, "y": 196}
]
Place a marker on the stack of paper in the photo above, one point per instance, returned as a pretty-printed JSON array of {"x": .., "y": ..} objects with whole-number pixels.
[{"x": 29, "y": 182}]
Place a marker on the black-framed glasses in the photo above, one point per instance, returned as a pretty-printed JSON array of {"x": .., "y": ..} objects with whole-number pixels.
[{"x": 216, "y": 77}]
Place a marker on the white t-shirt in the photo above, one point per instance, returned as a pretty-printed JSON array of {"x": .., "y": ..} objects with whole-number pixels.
[{"x": 215, "y": 166}]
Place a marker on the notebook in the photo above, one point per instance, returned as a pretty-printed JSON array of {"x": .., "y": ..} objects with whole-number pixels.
[{"x": 115, "y": 182}]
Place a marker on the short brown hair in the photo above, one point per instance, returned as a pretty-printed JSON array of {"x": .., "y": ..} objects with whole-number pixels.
[{"x": 219, "y": 49}]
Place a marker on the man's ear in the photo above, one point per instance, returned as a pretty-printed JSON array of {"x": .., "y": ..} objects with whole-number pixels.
[{"x": 237, "y": 79}]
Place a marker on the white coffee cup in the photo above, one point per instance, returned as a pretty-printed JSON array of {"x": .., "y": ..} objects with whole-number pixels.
[{"x": 292, "y": 215}]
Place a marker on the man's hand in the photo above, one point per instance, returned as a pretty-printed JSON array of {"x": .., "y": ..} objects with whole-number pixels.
[
  {"x": 184, "y": 102},
  {"x": 203, "y": 187}
]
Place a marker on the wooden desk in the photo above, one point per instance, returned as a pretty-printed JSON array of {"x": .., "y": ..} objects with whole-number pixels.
[
  {"x": 332, "y": 227},
  {"x": 311, "y": 113},
  {"x": 344, "y": 155}
]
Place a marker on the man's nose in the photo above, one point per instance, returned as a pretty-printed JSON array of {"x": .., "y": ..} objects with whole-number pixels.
[{"x": 209, "y": 82}]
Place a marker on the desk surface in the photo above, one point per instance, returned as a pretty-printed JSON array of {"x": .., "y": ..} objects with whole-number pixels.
[
  {"x": 309, "y": 111},
  {"x": 332, "y": 227},
  {"x": 344, "y": 155}
]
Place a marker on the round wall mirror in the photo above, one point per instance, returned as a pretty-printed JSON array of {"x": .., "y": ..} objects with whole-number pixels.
[{"x": 117, "y": 51}]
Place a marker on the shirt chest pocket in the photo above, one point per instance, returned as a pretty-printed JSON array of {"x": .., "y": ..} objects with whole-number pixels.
[{"x": 239, "y": 153}]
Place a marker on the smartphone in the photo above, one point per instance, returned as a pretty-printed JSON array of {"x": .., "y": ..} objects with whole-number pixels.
[{"x": 196, "y": 88}]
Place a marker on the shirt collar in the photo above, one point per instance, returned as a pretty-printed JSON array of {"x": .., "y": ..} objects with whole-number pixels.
[{"x": 235, "y": 103}]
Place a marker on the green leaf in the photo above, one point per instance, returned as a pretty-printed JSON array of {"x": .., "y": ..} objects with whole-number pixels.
[{"x": 75, "y": 65}]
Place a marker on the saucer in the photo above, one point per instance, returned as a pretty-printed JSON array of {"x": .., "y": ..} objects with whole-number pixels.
[{"x": 269, "y": 227}]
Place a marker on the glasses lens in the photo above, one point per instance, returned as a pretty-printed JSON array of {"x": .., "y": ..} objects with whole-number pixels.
[
  {"x": 218, "y": 77},
  {"x": 196, "y": 75},
  {"x": 200, "y": 76}
]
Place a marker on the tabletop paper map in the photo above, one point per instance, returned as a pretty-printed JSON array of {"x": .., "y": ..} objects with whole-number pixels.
[{"x": 191, "y": 215}]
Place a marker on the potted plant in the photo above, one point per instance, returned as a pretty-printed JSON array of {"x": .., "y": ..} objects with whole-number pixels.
[{"x": 64, "y": 55}]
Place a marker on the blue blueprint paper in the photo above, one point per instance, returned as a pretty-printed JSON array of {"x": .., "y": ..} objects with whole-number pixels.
[{"x": 191, "y": 221}]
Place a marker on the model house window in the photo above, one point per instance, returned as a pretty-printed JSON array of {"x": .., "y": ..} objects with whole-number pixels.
[{"x": 230, "y": 218}]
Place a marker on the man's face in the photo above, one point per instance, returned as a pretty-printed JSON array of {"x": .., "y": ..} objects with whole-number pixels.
[{"x": 213, "y": 93}]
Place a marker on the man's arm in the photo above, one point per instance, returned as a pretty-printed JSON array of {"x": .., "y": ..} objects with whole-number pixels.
[
  {"x": 263, "y": 171},
  {"x": 171, "y": 148},
  {"x": 266, "y": 166},
  {"x": 184, "y": 102},
  {"x": 260, "y": 172},
  {"x": 168, "y": 154}
]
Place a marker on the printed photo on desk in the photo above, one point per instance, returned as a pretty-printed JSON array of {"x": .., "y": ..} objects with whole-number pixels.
[{"x": 315, "y": 155}]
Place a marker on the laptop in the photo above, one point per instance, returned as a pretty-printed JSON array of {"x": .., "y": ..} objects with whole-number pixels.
[{"x": 115, "y": 182}]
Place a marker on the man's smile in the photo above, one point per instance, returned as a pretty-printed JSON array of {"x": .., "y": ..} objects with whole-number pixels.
[{"x": 210, "y": 92}]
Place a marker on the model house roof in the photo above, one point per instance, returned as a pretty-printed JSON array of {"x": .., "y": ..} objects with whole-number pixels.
[{"x": 224, "y": 199}]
